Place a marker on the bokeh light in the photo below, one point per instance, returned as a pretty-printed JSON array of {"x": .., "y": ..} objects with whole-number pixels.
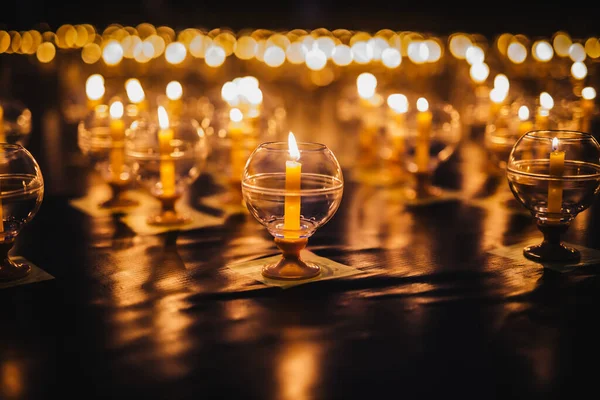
[
  {"x": 542, "y": 51},
  {"x": 517, "y": 52},
  {"x": 112, "y": 53},
  {"x": 175, "y": 53},
  {"x": 579, "y": 70}
]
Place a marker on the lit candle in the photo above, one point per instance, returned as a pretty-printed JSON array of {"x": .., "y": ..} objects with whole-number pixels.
[
  {"x": 588, "y": 96},
  {"x": 136, "y": 94},
  {"x": 555, "y": 188},
  {"x": 366, "y": 84},
  {"x": 546, "y": 104},
  {"x": 424, "y": 118},
  {"x": 167, "y": 165},
  {"x": 94, "y": 90},
  {"x": 117, "y": 133},
  {"x": 236, "y": 135},
  {"x": 293, "y": 169},
  {"x": 398, "y": 104},
  {"x": 497, "y": 97},
  {"x": 174, "y": 93},
  {"x": 524, "y": 124}
]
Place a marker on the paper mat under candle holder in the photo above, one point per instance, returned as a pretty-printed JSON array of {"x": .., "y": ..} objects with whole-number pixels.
[
  {"x": 90, "y": 203},
  {"x": 138, "y": 223},
  {"x": 329, "y": 270},
  {"x": 36, "y": 275},
  {"x": 515, "y": 252}
]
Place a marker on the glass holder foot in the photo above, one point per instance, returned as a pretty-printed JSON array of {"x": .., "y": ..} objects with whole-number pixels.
[
  {"x": 291, "y": 266},
  {"x": 9, "y": 270}
]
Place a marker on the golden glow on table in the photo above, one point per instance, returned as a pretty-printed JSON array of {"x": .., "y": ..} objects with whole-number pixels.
[
  {"x": 167, "y": 165},
  {"x": 424, "y": 118},
  {"x": 117, "y": 133},
  {"x": 293, "y": 170},
  {"x": 557, "y": 169}
]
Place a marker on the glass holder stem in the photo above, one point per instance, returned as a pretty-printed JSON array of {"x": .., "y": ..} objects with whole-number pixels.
[
  {"x": 551, "y": 250},
  {"x": 291, "y": 266},
  {"x": 9, "y": 270},
  {"x": 118, "y": 198}
]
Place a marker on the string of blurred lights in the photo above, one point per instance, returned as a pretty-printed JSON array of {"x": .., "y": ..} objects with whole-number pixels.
[{"x": 315, "y": 48}]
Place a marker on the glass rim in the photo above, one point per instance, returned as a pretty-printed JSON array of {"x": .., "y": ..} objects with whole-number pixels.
[
  {"x": 11, "y": 147},
  {"x": 567, "y": 135},
  {"x": 549, "y": 177},
  {"x": 282, "y": 146},
  {"x": 298, "y": 193}
]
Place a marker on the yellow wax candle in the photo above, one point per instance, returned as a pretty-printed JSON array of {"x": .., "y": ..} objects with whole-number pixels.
[
  {"x": 398, "y": 104},
  {"x": 293, "y": 170},
  {"x": 167, "y": 165},
  {"x": 524, "y": 124},
  {"x": 238, "y": 152},
  {"x": 94, "y": 90},
  {"x": 174, "y": 93},
  {"x": 555, "y": 188},
  {"x": 117, "y": 133},
  {"x": 588, "y": 96},
  {"x": 541, "y": 119},
  {"x": 136, "y": 94},
  {"x": 424, "y": 118}
]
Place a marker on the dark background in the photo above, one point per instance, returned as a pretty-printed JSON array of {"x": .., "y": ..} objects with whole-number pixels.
[{"x": 486, "y": 17}]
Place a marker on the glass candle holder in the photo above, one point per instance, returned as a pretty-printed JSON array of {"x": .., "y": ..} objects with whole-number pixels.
[
  {"x": 555, "y": 175},
  {"x": 432, "y": 134},
  {"x": 166, "y": 160},
  {"x": 15, "y": 123},
  {"x": 21, "y": 194},
  {"x": 292, "y": 197},
  {"x": 101, "y": 138}
]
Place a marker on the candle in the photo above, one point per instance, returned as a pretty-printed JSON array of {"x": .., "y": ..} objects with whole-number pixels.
[
  {"x": 117, "y": 133},
  {"x": 555, "y": 188},
  {"x": 167, "y": 165},
  {"x": 238, "y": 151},
  {"x": 398, "y": 104},
  {"x": 424, "y": 118},
  {"x": 524, "y": 124},
  {"x": 136, "y": 94},
  {"x": 174, "y": 93},
  {"x": 94, "y": 90},
  {"x": 497, "y": 97},
  {"x": 546, "y": 104},
  {"x": 366, "y": 84},
  {"x": 588, "y": 96},
  {"x": 293, "y": 169}
]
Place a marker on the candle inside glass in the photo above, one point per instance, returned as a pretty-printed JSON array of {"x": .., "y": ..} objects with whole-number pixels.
[
  {"x": 424, "y": 118},
  {"x": 293, "y": 171},
  {"x": 555, "y": 187},
  {"x": 167, "y": 165}
]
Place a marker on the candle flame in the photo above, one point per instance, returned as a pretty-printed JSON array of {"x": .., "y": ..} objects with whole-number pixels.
[
  {"x": 422, "y": 104},
  {"x": 163, "y": 118},
  {"x": 134, "y": 90},
  {"x": 174, "y": 90},
  {"x": 235, "y": 115},
  {"x": 398, "y": 103},
  {"x": 523, "y": 113},
  {"x": 555, "y": 144},
  {"x": 546, "y": 101},
  {"x": 293, "y": 147},
  {"x": 94, "y": 87},
  {"x": 588, "y": 93},
  {"x": 116, "y": 110}
]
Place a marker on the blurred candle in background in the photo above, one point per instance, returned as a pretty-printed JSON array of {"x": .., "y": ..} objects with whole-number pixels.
[
  {"x": 588, "y": 99},
  {"x": 117, "y": 133},
  {"x": 136, "y": 94},
  {"x": 167, "y": 165},
  {"x": 94, "y": 90},
  {"x": 398, "y": 104},
  {"x": 424, "y": 118},
  {"x": 174, "y": 92}
]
